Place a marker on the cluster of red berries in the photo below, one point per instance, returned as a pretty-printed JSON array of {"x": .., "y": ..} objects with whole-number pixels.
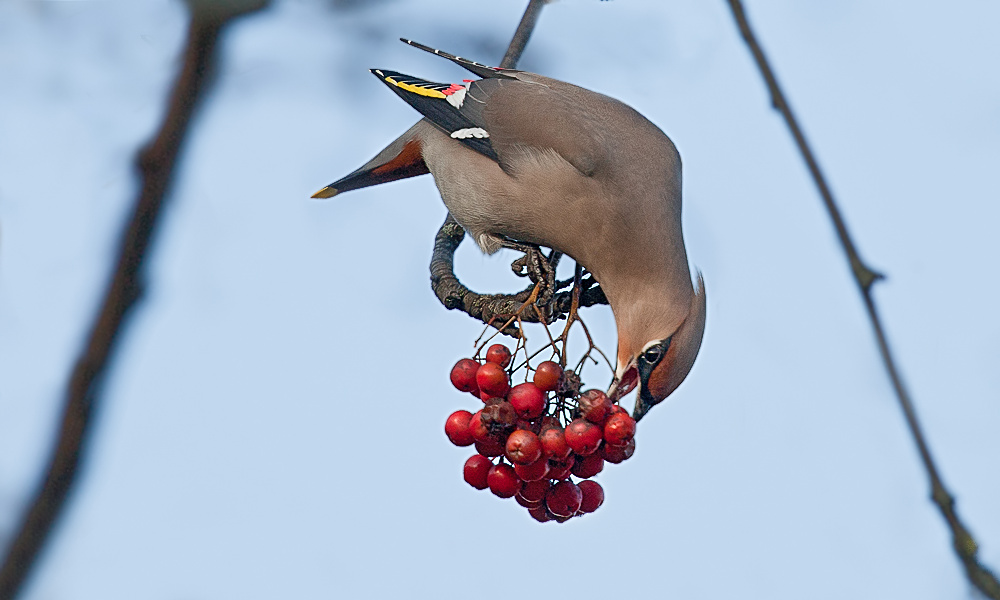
[{"x": 532, "y": 437}]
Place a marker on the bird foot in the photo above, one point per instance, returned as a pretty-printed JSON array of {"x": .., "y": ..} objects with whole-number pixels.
[{"x": 537, "y": 267}]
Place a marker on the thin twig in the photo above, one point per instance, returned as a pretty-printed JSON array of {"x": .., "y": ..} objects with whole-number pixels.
[
  {"x": 522, "y": 34},
  {"x": 156, "y": 163},
  {"x": 965, "y": 545}
]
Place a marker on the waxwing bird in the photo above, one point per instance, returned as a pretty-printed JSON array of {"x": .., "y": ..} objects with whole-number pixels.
[{"x": 522, "y": 157}]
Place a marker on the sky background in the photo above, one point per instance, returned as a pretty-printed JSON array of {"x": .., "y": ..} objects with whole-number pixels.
[{"x": 272, "y": 426}]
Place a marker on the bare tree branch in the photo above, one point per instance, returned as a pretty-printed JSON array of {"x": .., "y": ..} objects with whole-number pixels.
[
  {"x": 156, "y": 162},
  {"x": 522, "y": 34},
  {"x": 965, "y": 545}
]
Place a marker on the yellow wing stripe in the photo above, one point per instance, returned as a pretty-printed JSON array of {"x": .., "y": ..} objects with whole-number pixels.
[{"x": 409, "y": 87}]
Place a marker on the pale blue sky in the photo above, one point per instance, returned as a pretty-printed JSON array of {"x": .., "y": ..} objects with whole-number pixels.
[{"x": 272, "y": 426}]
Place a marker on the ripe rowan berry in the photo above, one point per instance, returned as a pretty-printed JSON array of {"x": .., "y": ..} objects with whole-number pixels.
[
  {"x": 586, "y": 467},
  {"x": 619, "y": 429},
  {"x": 548, "y": 376},
  {"x": 617, "y": 454},
  {"x": 595, "y": 406},
  {"x": 477, "y": 469},
  {"x": 564, "y": 499},
  {"x": 540, "y": 513},
  {"x": 554, "y": 443},
  {"x": 492, "y": 380},
  {"x": 457, "y": 428},
  {"x": 498, "y": 354},
  {"x": 528, "y": 400},
  {"x": 593, "y": 496},
  {"x": 583, "y": 437},
  {"x": 477, "y": 429},
  {"x": 523, "y": 447},
  {"x": 535, "y": 491},
  {"x": 503, "y": 481},
  {"x": 463, "y": 375}
]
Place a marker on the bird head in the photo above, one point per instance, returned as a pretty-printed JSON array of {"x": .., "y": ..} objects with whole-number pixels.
[{"x": 662, "y": 363}]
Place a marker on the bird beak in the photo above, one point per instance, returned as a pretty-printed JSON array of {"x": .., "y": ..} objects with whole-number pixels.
[
  {"x": 625, "y": 383},
  {"x": 641, "y": 408}
]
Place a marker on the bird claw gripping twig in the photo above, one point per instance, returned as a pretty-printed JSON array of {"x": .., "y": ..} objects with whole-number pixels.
[
  {"x": 496, "y": 309},
  {"x": 538, "y": 268}
]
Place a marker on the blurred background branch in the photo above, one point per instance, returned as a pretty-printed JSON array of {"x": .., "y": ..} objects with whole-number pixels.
[
  {"x": 156, "y": 163},
  {"x": 962, "y": 540}
]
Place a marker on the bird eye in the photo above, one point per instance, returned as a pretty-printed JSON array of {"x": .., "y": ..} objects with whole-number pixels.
[{"x": 652, "y": 355}]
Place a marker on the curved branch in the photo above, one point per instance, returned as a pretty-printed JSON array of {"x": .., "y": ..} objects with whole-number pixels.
[
  {"x": 156, "y": 162},
  {"x": 963, "y": 542},
  {"x": 494, "y": 309}
]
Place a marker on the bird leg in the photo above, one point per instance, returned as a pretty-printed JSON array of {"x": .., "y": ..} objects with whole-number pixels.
[{"x": 537, "y": 267}]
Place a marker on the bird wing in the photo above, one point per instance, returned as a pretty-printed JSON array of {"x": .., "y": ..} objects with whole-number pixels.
[
  {"x": 444, "y": 105},
  {"x": 499, "y": 117}
]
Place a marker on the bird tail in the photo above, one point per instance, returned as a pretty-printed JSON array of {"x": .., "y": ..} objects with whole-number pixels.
[
  {"x": 401, "y": 159},
  {"x": 484, "y": 71}
]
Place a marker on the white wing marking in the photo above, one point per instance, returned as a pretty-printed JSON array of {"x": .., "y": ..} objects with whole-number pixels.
[{"x": 470, "y": 132}]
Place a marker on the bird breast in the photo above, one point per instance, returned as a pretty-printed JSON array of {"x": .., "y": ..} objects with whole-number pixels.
[{"x": 540, "y": 198}]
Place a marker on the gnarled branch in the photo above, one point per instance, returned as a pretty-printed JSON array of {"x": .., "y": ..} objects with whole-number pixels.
[{"x": 495, "y": 309}]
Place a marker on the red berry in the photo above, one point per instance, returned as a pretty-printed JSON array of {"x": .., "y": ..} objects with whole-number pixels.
[
  {"x": 477, "y": 469},
  {"x": 617, "y": 408},
  {"x": 619, "y": 429},
  {"x": 491, "y": 448},
  {"x": 503, "y": 481},
  {"x": 498, "y": 354},
  {"x": 554, "y": 444},
  {"x": 457, "y": 428},
  {"x": 477, "y": 429},
  {"x": 595, "y": 406},
  {"x": 535, "y": 491},
  {"x": 492, "y": 380},
  {"x": 617, "y": 454},
  {"x": 564, "y": 499},
  {"x": 523, "y": 447},
  {"x": 560, "y": 470},
  {"x": 588, "y": 466},
  {"x": 548, "y": 376},
  {"x": 593, "y": 496},
  {"x": 463, "y": 375},
  {"x": 533, "y": 472},
  {"x": 528, "y": 400},
  {"x": 583, "y": 436},
  {"x": 526, "y": 503},
  {"x": 540, "y": 514}
]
